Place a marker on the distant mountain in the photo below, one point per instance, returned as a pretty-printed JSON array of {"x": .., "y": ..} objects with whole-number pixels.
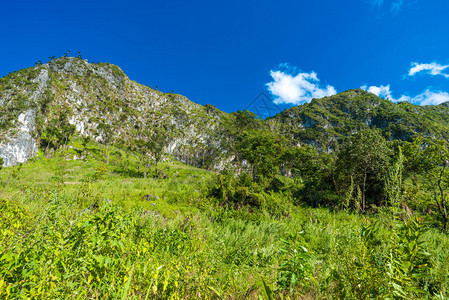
[
  {"x": 327, "y": 121},
  {"x": 43, "y": 105},
  {"x": 93, "y": 97}
]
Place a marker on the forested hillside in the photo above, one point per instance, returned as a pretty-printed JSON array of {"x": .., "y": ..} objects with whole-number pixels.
[{"x": 326, "y": 122}]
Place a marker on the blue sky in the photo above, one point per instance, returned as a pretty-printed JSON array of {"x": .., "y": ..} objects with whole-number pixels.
[{"x": 227, "y": 52}]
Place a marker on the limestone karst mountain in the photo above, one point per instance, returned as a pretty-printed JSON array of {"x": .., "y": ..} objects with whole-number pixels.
[
  {"x": 98, "y": 100},
  {"x": 325, "y": 122},
  {"x": 43, "y": 106}
]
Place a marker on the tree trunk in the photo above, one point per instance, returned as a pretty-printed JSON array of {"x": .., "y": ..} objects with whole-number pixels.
[
  {"x": 442, "y": 205},
  {"x": 46, "y": 151},
  {"x": 364, "y": 193}
]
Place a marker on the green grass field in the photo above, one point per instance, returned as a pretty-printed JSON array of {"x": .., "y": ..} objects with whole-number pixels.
[{"x": 81, "y": 229}]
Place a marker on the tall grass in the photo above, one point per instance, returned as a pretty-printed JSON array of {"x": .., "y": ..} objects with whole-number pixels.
[{"x": 121, "y": 237}]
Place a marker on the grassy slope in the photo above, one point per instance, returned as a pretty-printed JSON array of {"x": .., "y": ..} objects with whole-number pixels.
[
  {"x": 70, "y": 177},
  {"x": 178, "y": 245}
]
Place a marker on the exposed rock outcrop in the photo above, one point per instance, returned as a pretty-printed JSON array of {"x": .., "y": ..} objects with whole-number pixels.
[
  {"x": 94, "y": 97},
  {"x": 22, "y": 146}
]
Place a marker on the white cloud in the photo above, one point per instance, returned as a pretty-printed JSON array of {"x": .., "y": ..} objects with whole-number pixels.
[
  {"x": 297, "y": 89},
  {"x": 431, "y": 98},
  {"x": 289, "y": 86},
  {"x": 382, "y": 91},
  {"x": 432, "y": 69},
  {"x": 427, "y": 97}
]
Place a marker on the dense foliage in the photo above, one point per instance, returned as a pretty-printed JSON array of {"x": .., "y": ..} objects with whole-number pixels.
[{"x": 87, "y": 229}]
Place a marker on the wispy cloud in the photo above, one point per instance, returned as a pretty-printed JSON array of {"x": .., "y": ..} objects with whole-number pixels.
[
  {"x": 290, "y": 87},
  {"x": 431, "y": 69},
  {"x": 392, "y": 5},
  {"x": 397, "y": 5},
  {"x": 427, "y": 97}
]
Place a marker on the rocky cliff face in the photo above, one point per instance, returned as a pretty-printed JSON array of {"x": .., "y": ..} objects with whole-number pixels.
[
  {"x": 22, "y": 146},
  {"x": 93, "y": 97}
]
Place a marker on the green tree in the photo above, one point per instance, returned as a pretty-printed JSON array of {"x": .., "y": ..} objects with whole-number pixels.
[
  {"x": 302, "y": 162},
  {"x": 137, "y": 145},
  {"x": 263, "y": 150},
  {"x": 393, "y": 179},
  {"x": 151, "y": 141},
  {"x": 232, "y": 128},
  {"x": 141, "y": 147},
  {"x": 315, "y": 173},
  {"x": 365, "y": 159},
  {"x": 84, "y": 142},
  {"x": 431, "y": 159},
  {"x": 246, "y": 120},
  {"x": 158, "y": 140},
  {"x": 58, "y": 131}
]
